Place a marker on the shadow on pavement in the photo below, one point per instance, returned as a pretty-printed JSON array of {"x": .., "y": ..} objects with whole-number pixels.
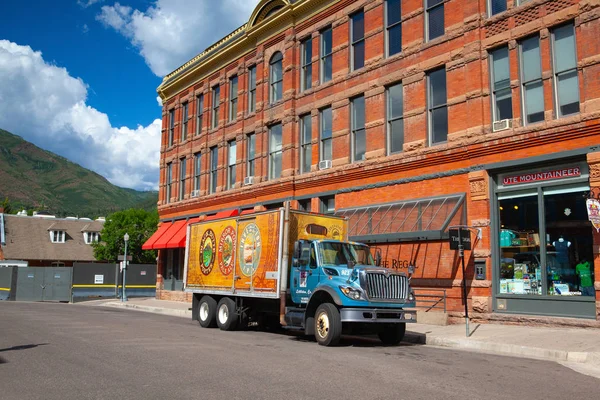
[{"x": 22, "y": 347}]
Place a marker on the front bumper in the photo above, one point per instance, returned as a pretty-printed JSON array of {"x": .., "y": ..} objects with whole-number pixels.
[{"x": 378, "y": 315}]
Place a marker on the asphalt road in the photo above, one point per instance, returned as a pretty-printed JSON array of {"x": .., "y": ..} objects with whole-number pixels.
[{"x": 77, "y": 351}]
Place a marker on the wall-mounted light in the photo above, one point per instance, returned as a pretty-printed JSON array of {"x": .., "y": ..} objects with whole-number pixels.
[
  {"x": 516, "y": 207},
  {"x": 501, "y": 208}
]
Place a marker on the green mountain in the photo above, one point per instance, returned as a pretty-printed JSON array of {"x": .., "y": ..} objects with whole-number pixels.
[{"x": 36, "y": 179}]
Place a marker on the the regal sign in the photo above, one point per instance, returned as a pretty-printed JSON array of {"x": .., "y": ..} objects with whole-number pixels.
[{"x": 542, "y": 176}]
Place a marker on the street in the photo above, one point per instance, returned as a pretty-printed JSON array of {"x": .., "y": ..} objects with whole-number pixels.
[{"x": 79, "y": 351}]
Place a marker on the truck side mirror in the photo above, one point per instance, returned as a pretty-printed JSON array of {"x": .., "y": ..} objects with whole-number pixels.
[
  {"x": 296, "y": 254},
  {"x": 378, "y": 257}
]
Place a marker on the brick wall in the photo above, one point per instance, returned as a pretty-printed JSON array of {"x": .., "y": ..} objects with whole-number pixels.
[{"x": 421, "y": 169}]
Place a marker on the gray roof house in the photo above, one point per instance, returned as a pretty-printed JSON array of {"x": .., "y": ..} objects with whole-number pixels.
[{"x": 44, "y": 240}]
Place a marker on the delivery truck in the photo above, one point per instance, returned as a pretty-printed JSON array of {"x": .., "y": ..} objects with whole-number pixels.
[{"x": 297, "y": 269}]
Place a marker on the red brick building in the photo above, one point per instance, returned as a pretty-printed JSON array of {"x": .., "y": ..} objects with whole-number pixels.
[{"x": 408, "y": 117}]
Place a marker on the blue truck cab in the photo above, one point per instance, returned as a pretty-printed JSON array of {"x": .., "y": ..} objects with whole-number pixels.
[{"x": 336, "y": 286}]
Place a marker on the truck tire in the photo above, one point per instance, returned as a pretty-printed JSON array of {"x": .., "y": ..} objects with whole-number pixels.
[
  {"x": 392, "y": 334},
  {"x": 227, "y": 319},
  {"x": 328, "y": 325},
  {"x": 207, "y": 312}
]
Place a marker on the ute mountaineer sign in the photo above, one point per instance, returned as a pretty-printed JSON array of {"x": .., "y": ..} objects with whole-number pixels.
[
  {"x": 593, "y": 209},
  {"x": 531, "y": 177}
]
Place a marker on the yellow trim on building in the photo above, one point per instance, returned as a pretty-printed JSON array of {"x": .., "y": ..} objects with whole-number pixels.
[{"x": 5, "y": 289}]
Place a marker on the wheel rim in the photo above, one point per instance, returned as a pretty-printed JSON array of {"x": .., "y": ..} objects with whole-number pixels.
[
  {"x": 204, "y": 311},
  {"x": 323, "y": 325},
  {"x": 223, "y": 314}
]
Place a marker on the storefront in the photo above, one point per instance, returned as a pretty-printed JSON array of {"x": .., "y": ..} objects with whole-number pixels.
[{"x": 542, "y": 241}]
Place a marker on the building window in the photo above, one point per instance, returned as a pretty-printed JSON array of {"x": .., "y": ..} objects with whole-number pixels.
[
  {"x": 57, "y": 236},
  {"x": 327, "y": 204},
  {"x": 496, "y": 6},
  {"x": 252, "y": 89},
  {"x": 395, "y": 118},
  {"x": 434, "y": 20},
  {"x": 531, "y": 80},
  {"x": 305, "y": 143},
  {"x": 325, "y": 134},
  {"x": 171, "y": 127},
  {"x": 182, "y": 172},
  {"x": 91, "y": 237},
  {"x": 357, "y": 38},
  {"x": 184, "y": 124},
  {"x": 214, "y": 163},
  {"x": 566, "y": 81},
  {"x": 437, "y": 106},
  {"x": 276, "y": 77},
  {"x": 233, "y": 98},
  {"x": 501, "y": 92},
  {"x": 393, "y": 27},
  {"x": 358, "y": 132},
  {"x": 216, "y": 92},
  {"x": 231, "y": 161},
  {"x": 169, "y": 181},
  {"x": 326, "y": 66},
  {"x": 197, "y": 171},
  {"x": 304, "y": 205},
  {"x": 306, "y": 55},
  {"x": 199, "y": 113},
  {"x": 251, "y": 151},
  {"x": 275, "y": 151}
]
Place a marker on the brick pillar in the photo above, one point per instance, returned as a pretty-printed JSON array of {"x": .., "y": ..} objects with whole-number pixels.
[
  {"x": 593, "y": 160},
  {"x": 159, "y": 277},
  {"x": 478, "y": 202}
]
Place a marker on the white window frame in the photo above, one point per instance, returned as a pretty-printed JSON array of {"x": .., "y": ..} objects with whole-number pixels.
[
  {"x": 390, "y": 27},
  {"x": 305, "y": 146},
  {"x": 354, "y": 42},
  {"x": 427, "y": 11},
  {"x": 184, "y": 122},
  {"x": 231, "y": 163},
  {"x": 252, "y": 89},
  {"x": 555, "y": 74},
  {"x": 233, "y": 98},
  {"x": 216, "y": 99},
  {"x": 199, "y": 113},
  {"x": 324, "y": 56}
]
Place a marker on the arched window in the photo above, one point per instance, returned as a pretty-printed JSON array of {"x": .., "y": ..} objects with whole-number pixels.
[{"x": 276, "y": 77}]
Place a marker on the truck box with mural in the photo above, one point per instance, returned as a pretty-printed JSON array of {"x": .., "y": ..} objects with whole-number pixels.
[{"x": 297, "y": 269}]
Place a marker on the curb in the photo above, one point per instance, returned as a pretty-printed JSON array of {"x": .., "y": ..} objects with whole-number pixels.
[
  {"x": 505, "y": 349},
  {"x": 150, "y": 309}
]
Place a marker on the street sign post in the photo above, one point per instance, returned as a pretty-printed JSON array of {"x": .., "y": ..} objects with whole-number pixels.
[{"x": 460, "y": 239}]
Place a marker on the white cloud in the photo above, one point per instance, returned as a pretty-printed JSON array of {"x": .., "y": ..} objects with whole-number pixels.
[
  {"x": 159, "y": 101},
  {"x": 171, "y": 32},
  {"x": 47, "y": 106},
  {"x": 86, "y": 4}
]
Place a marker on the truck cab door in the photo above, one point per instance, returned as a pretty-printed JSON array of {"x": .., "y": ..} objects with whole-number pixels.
[{"x": 305, "y": 274}]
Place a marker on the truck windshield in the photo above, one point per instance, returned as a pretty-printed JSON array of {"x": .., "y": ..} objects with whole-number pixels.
[{"x": 340, "y": 253}]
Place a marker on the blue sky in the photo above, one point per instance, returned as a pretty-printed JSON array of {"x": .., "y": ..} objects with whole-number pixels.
[{"x": 79, "y": 77}]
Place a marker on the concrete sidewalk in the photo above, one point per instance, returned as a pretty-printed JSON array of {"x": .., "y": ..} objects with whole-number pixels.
[{"x": 570, "y": 346}]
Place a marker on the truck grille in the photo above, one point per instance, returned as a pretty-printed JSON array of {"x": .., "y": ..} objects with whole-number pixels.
[{"x": 386, "y": 287}]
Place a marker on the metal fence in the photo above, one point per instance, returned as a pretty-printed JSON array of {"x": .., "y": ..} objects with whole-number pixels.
[{"x": 430, "y": 299}]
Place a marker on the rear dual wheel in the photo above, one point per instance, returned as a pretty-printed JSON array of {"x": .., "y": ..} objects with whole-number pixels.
[
  {"x": 207, "y": 311},
  {"x": 227, "y": 318}
]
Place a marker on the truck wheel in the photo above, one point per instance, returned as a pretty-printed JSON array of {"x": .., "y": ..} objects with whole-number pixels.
[
  {"x": 227, "y": 319},
  {"x": 207, "y": 312},
  {"x": 328, "y": 325},
  {"x": 392, "y": 334}
]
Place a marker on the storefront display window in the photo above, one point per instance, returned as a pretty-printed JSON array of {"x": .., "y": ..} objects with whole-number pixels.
[
  {"x": 570, "y": 243},
  {"x": 520, "y": 261},
  {"x": 545, "y": 237}
]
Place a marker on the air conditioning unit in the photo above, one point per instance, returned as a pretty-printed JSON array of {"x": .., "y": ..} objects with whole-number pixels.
[
  {"x": 502, "y": 125},
  {"x": 195, "y": 193},
  {"x": 249, "y": 180},
  {"x": 325, "y": 164}
]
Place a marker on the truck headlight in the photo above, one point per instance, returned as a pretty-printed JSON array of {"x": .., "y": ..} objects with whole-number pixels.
[
  {"x": 352, "y": 293},
  {"x": 411, "y": 296}
]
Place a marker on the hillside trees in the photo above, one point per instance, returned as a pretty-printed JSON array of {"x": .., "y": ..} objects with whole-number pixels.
[{"x": 139, "y": 224}]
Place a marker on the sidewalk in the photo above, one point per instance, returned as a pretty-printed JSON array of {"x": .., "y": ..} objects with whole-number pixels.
[{"x": 570, "y": 346}]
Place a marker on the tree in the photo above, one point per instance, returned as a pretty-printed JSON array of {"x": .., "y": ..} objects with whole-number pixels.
[
  {"x": 6, "y": 205},
  {"x": 139, "y": 224}
]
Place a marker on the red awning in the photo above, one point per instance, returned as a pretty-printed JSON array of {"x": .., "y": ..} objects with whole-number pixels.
[
  {"x": 162, "y": 242},
  {"x": 178, "y": 240},
  {"x": 155, "y": 236},
  {"x": 223, "y": 214}
]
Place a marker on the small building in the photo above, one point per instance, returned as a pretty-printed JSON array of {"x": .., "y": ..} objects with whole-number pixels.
[{"x": 44, "y": 241}]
